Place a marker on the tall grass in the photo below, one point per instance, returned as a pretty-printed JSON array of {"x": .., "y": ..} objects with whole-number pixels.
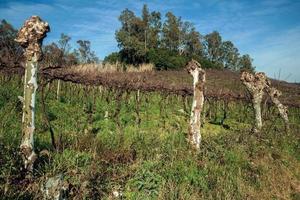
[{"x": 103, "y": 152}]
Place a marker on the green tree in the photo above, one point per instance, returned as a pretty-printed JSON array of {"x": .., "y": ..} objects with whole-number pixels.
[
  {"x": 85, "y": 53},
  {"x": 191, "y": 40},
  {"x": 166, "y": 59},
  {"x": 84, "y": 50},
  {"x": 230, "y": 56},
  {"x": 145, "y": 19},
  {"x": 151, "y": 28},
  {"x": 131, "y": 38},
  {"x": 154, "y": 30},
  {"x": 171, "y": 32},
  {"x": 213, "y": 46},
  {"x": 148, "y": 39},
  {"x": 112, "y": 58},
  {"x": 64, "y": 46},
  {"x": 245, "y": 63}
]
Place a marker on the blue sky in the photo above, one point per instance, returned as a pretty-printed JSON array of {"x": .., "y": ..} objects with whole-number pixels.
[{"x": 268, "y": 30}]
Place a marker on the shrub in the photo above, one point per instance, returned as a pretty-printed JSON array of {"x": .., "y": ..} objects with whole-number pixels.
[
  {"x": 166, "y": 59},
  {"x": 112, "y": 58},
  {"x": 207, "y": 64},
  {"x": 163, "y": 59}
]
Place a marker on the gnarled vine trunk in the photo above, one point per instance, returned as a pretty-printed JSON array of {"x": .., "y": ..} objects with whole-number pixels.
[
  {"x": 28, "y": 125},
  {"x": 30, "y": 36},
  {"x": 194, "y": 68},
  {"x": 283, "y": 110},
  {"x": 255, "y": 84},
  {"x": 256, "y": 101}
]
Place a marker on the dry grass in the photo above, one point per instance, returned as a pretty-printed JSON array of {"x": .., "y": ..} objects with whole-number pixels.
[
  {"x": 145, "y": 67},
  {"x": 109, "y": 68}
]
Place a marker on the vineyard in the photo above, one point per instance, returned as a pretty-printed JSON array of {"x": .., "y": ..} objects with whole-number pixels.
[
  {"x": 125, "y": 133},
  {"x": 222, "y": 84},
  {"x": 191, "y": 133}
]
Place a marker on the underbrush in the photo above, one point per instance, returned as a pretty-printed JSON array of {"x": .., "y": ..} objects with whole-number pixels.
[{"x": 108, "y": 145}]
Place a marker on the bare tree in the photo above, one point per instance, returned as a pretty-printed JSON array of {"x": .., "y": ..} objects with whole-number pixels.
[
  {"x": 194, "y": 68},
  {"x": 30, "y": 36}
]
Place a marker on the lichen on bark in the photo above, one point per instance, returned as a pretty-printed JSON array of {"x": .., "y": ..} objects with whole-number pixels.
[
  {"x": 257, "y": 84},
  {"x": 283, "y": 110},
  {"x": 199, "y": 78},
  {"x": 30, "y": 36}
]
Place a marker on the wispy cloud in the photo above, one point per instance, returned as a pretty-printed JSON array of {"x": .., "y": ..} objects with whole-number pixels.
[
  {"x": 17, "y": 11},
  {"x": 280, "y": 54}
]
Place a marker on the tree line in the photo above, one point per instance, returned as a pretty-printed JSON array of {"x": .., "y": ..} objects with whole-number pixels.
[
  {"x": 58, "y": 53},
  {"x": 170, "y": 43}
]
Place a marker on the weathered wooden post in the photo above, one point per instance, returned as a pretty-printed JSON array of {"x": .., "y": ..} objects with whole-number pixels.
[
  {"x": 30, "y": 36},
  {"x": 194, "y": 68},
  {"x": 255, "y": 84},
  {"x": 58, "y": 90}
]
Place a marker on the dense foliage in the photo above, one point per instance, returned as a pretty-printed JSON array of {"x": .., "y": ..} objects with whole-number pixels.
[{"x": 170, "y": 43}]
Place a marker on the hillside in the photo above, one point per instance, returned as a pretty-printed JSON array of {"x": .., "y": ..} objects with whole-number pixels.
[
  {"x": 223, "y": 84},
  {"x": 103, "y": 100},
  {"x": 108, "y": 144}
]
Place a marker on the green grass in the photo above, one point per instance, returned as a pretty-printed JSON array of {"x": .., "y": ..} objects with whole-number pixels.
[{"x": 150, "y": 160}]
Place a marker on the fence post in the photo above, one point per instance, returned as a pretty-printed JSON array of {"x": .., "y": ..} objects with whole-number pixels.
[{"x": 30, "y": 37}]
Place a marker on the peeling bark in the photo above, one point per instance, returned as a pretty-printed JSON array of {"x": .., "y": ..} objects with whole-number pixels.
[
  {"x": 255, "y": 84},
  {"x": 28, "y": 125},
  {"x": 30, "y": 36},
  {"x": 258, "y": 84},
  {"x": 194, "y": 68},
  {"x": 283, "y": 110}
]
